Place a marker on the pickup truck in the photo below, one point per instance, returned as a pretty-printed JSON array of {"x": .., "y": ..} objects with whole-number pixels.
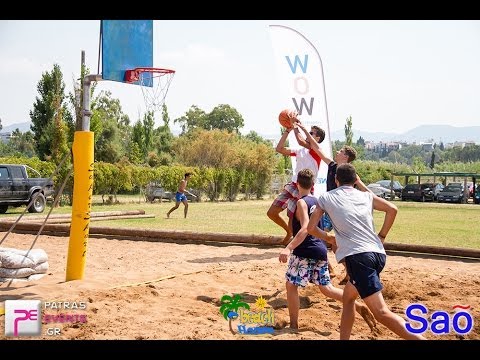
[
  {"x": 17, "y": 188},
  {"x": 156, "y": 191}
]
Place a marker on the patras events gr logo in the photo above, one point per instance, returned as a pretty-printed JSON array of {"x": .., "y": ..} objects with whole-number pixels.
[
  {"x": 23, "y": 318},
  {"x": 256, "y": 322}
]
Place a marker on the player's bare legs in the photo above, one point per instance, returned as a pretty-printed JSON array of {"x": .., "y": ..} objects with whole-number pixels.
[
  {"x": 274, "y": 214},
  {"x": 337, "y": 294},
  {"x": 185, "y": 210},
  {"x": 384, "y": 315},
  {"x": 177, "y": 204},
  {"x": 293, "y": 302},
  {"x": 350, "y": 293},
  {"x": 331, "y": 270}
]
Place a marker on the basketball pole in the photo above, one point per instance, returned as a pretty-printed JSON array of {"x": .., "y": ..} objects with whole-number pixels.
[{"x": 83, "y": 159}]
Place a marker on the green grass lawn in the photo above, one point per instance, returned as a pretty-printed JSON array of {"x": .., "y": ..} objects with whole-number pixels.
[{"x": 449, "y": 225}]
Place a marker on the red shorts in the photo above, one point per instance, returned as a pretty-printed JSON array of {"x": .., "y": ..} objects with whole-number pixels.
[{"x": 287, "y": 199}]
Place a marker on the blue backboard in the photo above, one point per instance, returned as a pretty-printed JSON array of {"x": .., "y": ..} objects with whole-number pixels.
[{"x": 126, "y": 45}]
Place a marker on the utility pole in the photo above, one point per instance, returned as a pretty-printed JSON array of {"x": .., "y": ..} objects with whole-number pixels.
[{"x": 79, "y": 94}]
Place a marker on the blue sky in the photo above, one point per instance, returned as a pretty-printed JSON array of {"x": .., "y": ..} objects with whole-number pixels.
[{"x": 388, "y": 75}]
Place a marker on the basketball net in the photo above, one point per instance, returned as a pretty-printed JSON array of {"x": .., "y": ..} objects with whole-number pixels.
[{"x": 154, "y": 83}]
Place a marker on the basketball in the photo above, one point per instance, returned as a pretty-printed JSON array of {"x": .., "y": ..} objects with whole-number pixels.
[{"x": 285, "y": 119}]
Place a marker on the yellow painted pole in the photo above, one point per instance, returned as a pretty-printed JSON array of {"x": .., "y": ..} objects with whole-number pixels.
[{"x": 82, "y": 200}]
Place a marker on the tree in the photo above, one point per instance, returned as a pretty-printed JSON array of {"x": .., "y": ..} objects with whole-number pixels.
[
  {"x": 59, "y": 132},
  {"x": 49, "y": 106},
  {"x": 138, "y": 139},
  {"x": 142, "y": 133},
  {"x": 22, "y": 143},
  {"x": 442, "y": 147},
  {"x": 418, "y": 164},
  {"x": 135, "y": 155},
  {"x": 148, "y": 127},
  {"x": 194, "y": 118},
  {"x": 207, "y": 148},
  {"x": 224, "y": 117},
  {"x": 163, "y": 138},
  {"x": 432, "y": 160},
  {"x": 256, "y": 138},
  {"x": 394, "y": 157},
  {"x": 348, "y": 131},
  {"x": 259, "y": 163},
  {"x": 222, "y": 152},
  {"x": 165, "y": 117},
  {"x": 361, "y": 141},
  {"x": 111, "y": 127},
  {"x": 410, "y": 152},
  {"x": 360, "y": 151},
  {"x": 1, "y": 127},
  {"x": 337, "y": 145}
]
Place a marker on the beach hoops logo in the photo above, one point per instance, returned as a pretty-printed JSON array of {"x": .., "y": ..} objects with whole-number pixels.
[
  {"x": 23, "y": 318},
  {"x": 257, "y": 322}
]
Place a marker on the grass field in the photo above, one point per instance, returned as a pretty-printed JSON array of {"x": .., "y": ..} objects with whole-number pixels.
[{"x": 449, "y": 225}]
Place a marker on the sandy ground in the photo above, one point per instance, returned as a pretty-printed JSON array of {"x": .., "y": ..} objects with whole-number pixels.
[{"x": 150, "y": 290}]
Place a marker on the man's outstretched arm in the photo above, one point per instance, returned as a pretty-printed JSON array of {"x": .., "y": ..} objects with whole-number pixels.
[
  {"x": 390, "y": 215},
  {"x": 300, "y": 140},
  {"x": 281, "y": 144}
]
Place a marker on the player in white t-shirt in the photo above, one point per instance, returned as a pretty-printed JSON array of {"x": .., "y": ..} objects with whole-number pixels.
[
  {"x": 306, "y": 158},
  {"x": 360, "y": 247}
]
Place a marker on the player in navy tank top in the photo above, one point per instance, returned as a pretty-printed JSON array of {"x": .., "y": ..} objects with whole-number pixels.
[{"x": 308, "y": 256}]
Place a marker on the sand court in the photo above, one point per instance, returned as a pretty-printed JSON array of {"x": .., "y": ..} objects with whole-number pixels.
[{"x": 172, "y": 290}]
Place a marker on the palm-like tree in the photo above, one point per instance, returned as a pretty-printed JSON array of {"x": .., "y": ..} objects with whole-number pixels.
[{"x": 230, "y": 306}]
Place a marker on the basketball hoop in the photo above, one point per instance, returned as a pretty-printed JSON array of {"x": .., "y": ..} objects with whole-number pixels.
[{"x": 154, "y": 83}]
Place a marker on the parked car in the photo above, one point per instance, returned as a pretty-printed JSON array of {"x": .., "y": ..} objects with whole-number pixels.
[
  {"x": 436, "y": 189},
  {"x": 477, "y": 195},
  {"x": 451, "y": 194},
  {"x": 20, "y": 185},
  {"x": 418, "y": 192},
  {"x": 470, "y": 189},
  {"x": 457, "y": 184},
  {"x": 155, "y": 191},
  {"x": 381, "y": 191},
  {"x": 466, "y": 192},
  {"x": 397, "y": 187}
]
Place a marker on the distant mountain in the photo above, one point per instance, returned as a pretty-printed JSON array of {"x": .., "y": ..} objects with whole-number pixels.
[
  {"x": 422, "y": 133},
  {"x": 23, "y": 127}
]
